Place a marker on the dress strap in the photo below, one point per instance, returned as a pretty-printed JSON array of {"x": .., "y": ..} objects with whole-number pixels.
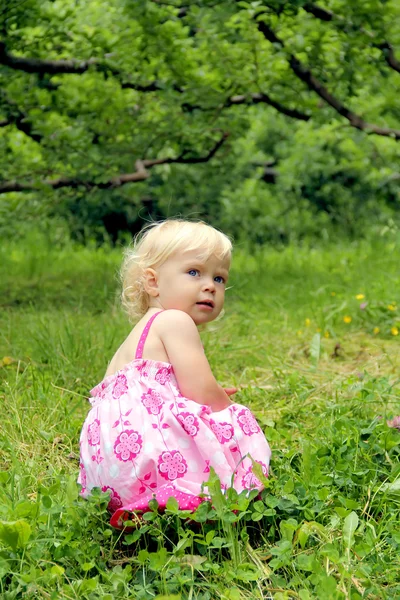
[{"x": 143, "y": 337}]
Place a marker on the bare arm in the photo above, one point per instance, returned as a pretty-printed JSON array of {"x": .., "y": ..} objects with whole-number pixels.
[{"x": 185, "y": 351}]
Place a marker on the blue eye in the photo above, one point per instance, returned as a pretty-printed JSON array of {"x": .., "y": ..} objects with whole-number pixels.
[
  {"x": 193, "y": 272},
  {"x": 219, "y": 279}
]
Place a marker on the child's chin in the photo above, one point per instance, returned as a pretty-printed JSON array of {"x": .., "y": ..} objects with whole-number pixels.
[{"x": 205, "y": 318}]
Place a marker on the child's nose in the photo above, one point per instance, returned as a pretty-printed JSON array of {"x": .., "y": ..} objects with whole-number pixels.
[{"x": 209, "y": 285}]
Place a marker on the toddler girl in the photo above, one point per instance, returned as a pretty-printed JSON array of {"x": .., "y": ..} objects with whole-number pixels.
[{"x": 159, "y": 419}]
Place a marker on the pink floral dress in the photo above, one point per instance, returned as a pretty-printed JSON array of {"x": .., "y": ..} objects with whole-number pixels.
[{"x": 142, "y": 440}]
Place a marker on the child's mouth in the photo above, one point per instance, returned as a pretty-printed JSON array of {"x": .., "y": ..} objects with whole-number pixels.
[{"x": 206, "y": 304}]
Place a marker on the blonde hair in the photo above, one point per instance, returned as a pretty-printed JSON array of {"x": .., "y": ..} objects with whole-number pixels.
[{"x": 154, "y": 245}]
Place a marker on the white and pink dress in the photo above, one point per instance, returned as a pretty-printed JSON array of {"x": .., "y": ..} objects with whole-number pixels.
[{"x": 142, "y": 440}]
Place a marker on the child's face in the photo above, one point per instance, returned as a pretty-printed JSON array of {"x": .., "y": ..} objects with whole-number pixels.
[{"x": 195, "y": 286}]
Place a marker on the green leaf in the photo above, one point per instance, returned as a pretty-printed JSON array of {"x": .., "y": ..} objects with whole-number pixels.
[
  {"x": 57, "y": 570},
  {"x": 172, "y": 505},
  {"x": 15, "y": 534},
  {"x": 315, "y": 349},
  {"x": 305, "y": 562},
  {"x": 349, "y": 527},
  {"x": 289, "y": 486},
  {"x": 393, "y": 487},
  {"x": 303, "y": 536},
  {"x": 25, "y": 509},
  {"x": 47, "y": 501},
  {"x": 214, "y": 488},
  {"x": 258, "y": 472},
  {"x": 247, "y": 572}
]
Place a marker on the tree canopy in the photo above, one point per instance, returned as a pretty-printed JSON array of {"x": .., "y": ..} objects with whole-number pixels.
[{"x": 270, "y": 109}]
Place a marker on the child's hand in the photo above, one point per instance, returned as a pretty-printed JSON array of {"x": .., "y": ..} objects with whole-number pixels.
[
  {"x": 230, "y": 391},
  {"x": 216, "y": 407}
]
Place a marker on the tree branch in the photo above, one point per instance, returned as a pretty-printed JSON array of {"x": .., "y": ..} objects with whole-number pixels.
[
  {"x": 35, "y": 65},
  {"x": 258, "y": 98},
  {"x": 140, "y": 174},
  {"x": 306, "y": 75},
  {"x": 388, "y": 53},
  {"x": 327, "y": 15},
  {"x": 255, "y": 98},
  {"x": 323, "y": 14},
  {"x": 319, "y": 12},
  {"x": 71, "y": 66}
]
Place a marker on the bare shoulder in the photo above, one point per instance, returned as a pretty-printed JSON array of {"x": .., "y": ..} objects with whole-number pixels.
[{"x": 176, "y": 321}]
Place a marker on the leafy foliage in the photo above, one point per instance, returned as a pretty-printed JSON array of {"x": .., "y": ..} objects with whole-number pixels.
[{"x": 308, "y": 94}]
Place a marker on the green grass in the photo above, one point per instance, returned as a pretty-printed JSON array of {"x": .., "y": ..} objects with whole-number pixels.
[{"x": 327, "y": 524}]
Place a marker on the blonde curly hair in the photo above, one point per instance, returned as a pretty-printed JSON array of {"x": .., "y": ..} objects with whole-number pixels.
[{"x": 154, "y": 245}]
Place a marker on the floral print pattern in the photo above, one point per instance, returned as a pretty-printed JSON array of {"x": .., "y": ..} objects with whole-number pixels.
[
  {"x": 172, "y": 465},
  {"x": 163, "y": 375},
  {"x": 223, "y": 431},
  {"x": 152, "y": 401},
  {"x": 142, "y": 368},
  {"x": 101, "y": 392},
  {"x": 93, "y": 432},
  {"x": 120, "y": 386},
  {"x": 189, "y": 423},
  {"x": 127, "y": 445},
  {"x": 247, "y": 422}
]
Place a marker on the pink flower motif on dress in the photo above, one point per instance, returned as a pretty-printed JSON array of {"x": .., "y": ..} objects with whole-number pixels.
[
  {"x": 247, "y": 422},
  {"x": 93, "y": 432},
  {"x": 115, "y": 499},
  {"x": 100, "y": 390},
  {"x": 223, "y": 431},
  {"x": 142, "y": 369},
  {"x": 97, "y": 457},
  {"x": 152, "y": 401},
  {"x": 127, "y": 445},
  {"x": 172, "y": 465},
  {"x": 163, "y": 375},
  {"x": 120, "y": 386},
  {"x": 250, "y": 481},
  {"x": 82, "y": 473},
  {"x": 189, "y": 423}
]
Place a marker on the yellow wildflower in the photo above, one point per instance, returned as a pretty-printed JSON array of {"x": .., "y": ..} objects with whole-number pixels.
[
  {"x": 333, "y": 293},
  {"x": 376, "y": 330},
  {"x": 308, "y": 322},
  {"x": 394, "y": 331},
  {"x": 326, "y": 334},
  {"x": 319, "y": 329},
  {"x": 360, "y": 297},
  {"x": 347, "y": 319},
  {"x": 7, "y": 360},
  {"x": 299, "y": 332},
  {"x": 391, "y": 307}
]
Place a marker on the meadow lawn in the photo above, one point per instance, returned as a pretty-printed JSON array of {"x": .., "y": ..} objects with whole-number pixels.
[{"x": 311, "y": 338}]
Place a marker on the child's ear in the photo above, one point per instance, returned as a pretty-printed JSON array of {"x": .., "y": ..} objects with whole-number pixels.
[{"x": 151, "y": 282}]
